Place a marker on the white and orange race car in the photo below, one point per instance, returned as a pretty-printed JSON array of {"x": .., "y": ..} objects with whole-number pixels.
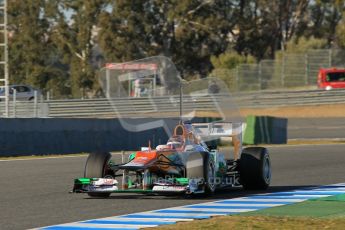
[{"x": 185, "y": 164}]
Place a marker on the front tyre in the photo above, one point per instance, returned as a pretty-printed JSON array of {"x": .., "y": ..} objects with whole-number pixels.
[
  {"x": 95, "y": 167},
  {"x": 255, "y": 168}
]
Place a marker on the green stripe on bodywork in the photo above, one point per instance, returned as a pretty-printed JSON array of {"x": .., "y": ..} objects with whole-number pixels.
[
  {"x": 132, "y": 156},
  {"x": 182, "y": 181},
  {"x": 84, "y": 180}
]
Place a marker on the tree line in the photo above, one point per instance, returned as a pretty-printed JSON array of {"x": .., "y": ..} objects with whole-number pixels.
[{"x": 60, "y": 45}]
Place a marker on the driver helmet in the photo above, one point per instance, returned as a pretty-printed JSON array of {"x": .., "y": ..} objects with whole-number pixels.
[{"x": 175, "y": 142}]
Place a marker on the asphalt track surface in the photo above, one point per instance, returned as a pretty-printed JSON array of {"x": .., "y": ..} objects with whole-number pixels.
[{"x": 34, "y": 193}]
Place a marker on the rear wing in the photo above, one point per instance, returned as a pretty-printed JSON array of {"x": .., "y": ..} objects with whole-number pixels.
[{"x": 217, "y": 130}]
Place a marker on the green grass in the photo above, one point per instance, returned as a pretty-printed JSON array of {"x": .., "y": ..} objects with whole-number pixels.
[
  {"x": 258, "y": 222},
  {"x": 327, "y": 207},
  {"x": 305, "y": 209}
]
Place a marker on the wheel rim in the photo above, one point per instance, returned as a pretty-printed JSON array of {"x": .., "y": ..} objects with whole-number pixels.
[
  {"x": 267, "y": 169},
  {"x": 211, "y": 176}
]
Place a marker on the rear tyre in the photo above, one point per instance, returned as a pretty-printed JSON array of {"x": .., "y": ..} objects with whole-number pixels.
[
  {"x": 210, "y": 175},
  {"x": 255, "y": 168},
  {"x": 95, "y": 167}
]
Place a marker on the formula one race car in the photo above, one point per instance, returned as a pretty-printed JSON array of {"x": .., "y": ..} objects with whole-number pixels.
[{"x": 184, "y": 165}]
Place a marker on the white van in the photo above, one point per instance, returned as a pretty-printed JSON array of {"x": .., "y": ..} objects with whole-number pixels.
[{"x": 23, "y": 92}]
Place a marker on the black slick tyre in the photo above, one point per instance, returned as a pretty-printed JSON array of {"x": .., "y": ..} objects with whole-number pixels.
[
  {"x": 95, "y": 167},
  {"x": 255, "y": 168},
  {"x": 210, "y": 175}
]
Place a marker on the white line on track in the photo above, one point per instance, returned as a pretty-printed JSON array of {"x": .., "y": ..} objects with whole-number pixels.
[
  {"x": 110, "y": 226},
  {"x": 185, "y": 208},
  {"x": 271, "y": 200},
  {"x": 236, "y": 205},
  {"x": 160, "y": 214},
  {"x": 158, "y": 218}
]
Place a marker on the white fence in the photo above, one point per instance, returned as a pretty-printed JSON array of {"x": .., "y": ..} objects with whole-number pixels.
[
  {"x": 137, "y": 107},
  {"x": 288, "y": 70}
]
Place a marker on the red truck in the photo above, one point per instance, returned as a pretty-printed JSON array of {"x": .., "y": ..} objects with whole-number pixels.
[{"x": 331, "y": 78}]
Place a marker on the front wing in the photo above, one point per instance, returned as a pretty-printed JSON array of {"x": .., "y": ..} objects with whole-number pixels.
[{"x": 106, "y": 185}]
